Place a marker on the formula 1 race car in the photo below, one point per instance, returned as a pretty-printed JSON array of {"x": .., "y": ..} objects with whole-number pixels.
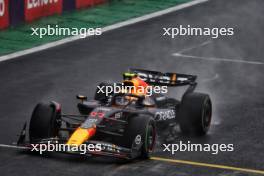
[{"x": 124, "y": 124}]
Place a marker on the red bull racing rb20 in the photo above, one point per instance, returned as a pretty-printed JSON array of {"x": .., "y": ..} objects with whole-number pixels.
[{"x": 124, "y": 124}]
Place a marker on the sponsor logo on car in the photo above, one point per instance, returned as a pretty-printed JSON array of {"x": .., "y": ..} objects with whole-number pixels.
[
  {"x": 154, "y": 78},
  {"x": 110, "y": 147},
  {"x": 2, "y": 8},
  {"x": 92, "y": 120},
  {"x": 118, "y": 115},
  {"x": 138, "y": 139},
  {"x": 104, "y": 109},
  {"x": 165, "y": 115},
  {"x": 97, "y": 114}
]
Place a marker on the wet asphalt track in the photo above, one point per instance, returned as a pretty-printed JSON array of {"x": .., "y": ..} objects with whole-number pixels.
[{"x": 235, "y": 88}]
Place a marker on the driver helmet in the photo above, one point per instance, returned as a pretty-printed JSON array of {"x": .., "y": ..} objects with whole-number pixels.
[{"x": 134, "y": 84}]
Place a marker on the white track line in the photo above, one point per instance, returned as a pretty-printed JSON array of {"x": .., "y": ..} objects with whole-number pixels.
[
  {"x": 107, "y": 28},
  {"x": 13, "y": 146},
  {"x": 243, "y": 61},
  {"x": 194, "y": 47},
  {"x": 216, "y": 76}
]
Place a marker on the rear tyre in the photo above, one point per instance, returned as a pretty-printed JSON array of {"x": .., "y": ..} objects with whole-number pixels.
[
  {"x": 195, "y": 114},
  {"x": 44, "y": 123},
  {"x": 141, "y": 130}
]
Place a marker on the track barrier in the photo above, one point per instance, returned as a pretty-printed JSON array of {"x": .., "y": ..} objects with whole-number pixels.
[{"x": 15, "y": 12}]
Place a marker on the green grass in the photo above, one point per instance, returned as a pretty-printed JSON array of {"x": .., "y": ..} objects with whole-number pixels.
[{"x": 19, "y": 38}]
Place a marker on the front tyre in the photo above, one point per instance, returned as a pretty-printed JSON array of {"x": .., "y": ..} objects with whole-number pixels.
[
  {"x": 140, "y": 129},
  {"x": 195, "y": 114},
  {"x": 44, "y": 123}
]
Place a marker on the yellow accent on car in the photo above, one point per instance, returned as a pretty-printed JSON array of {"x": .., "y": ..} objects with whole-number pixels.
[{"x": 79, "y": 136}]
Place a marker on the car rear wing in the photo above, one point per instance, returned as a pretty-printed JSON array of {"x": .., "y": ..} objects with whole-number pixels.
[{"x": 164, "y": 79}]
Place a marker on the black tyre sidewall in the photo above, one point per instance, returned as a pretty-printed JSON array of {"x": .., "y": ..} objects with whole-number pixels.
[
  {"x": 192, "y": 113},
  {"x": 147, "y": 150},
  {"x": 43, "y": 123},
  {"x": 138, "y": 125}
]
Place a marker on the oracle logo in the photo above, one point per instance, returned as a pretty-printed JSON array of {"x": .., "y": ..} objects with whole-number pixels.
[
  {"x": 38, "y": 3},
  {"x": 2, "y": 8}
]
